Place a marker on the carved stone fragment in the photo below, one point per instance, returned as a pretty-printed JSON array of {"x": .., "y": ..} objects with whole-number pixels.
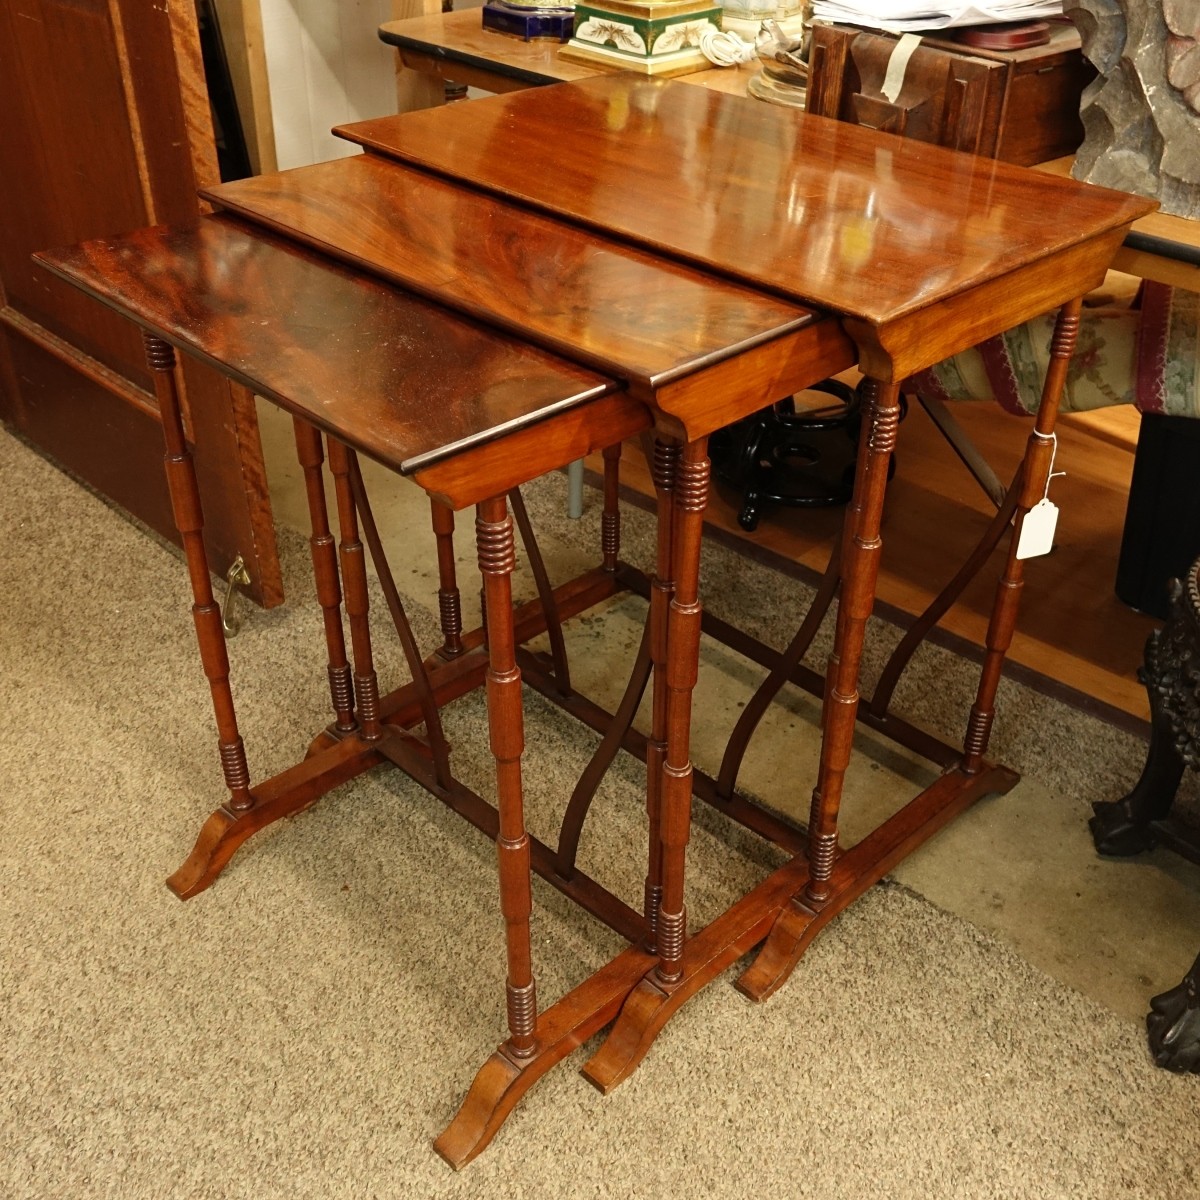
[{"x": 1141, "y": 115}]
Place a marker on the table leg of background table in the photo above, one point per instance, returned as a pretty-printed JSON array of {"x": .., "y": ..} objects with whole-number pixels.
[
  {"x": 206, "y": 613},
  {"x": 325, "y": 570},
  {"x": 354, "y": 580},
  {"x": 1039, "y": 457},
  {"x": 449, "y": 602},
  {"x": 664, "y": 466},
  {"x": 610, "y": 517}
]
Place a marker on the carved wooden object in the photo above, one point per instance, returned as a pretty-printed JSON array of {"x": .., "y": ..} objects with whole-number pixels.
[{"x": 1141, "y": 116}]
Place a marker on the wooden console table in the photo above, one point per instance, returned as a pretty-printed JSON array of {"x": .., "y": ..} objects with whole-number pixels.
[{"x": 607, "y": 256}]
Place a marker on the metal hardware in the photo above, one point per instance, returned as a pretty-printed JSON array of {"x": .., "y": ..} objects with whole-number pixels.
[{"x": 236, "y": 574}]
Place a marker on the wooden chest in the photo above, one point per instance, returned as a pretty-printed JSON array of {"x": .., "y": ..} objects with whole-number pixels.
[{"x": 1021, "y": 106}]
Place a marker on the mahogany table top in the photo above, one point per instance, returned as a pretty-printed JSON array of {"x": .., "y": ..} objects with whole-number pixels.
[
  {"x": 601, "y": 302},
  {"x": 830, "y": 214},
  {"x": 403, "y": 380}
]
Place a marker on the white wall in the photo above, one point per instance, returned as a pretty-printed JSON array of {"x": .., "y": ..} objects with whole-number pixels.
[{"x": 326, "y": 66}]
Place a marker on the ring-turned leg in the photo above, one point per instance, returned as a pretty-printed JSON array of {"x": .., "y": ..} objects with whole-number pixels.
[
  {"x": 497, "y": 559},
  {"x": 449, "y": 602},
  {"x": 489, "y": 1099},
  {"x": 325, "y": 571},
  {"x": 610, "y": 517},
  {"x": 664, "y": 467},
  {"x": 797, "y": 923},
  {"x": 354, "y": 580},
  {"x": 659, "y": 995},
  {"x": 206, "y": 613},
  {"x": 1039, "y": 455}
]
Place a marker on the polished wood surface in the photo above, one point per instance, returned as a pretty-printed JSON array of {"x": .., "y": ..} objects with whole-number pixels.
[
  {"x": 838, "y": 217},
  {"x": 596, "y": 300},
  {"x": 399, "y": 378},
  {"x": 107, "y": 127}
]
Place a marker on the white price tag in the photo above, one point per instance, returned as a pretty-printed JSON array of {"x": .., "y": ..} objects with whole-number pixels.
[{"x": 1037, "y": 530}]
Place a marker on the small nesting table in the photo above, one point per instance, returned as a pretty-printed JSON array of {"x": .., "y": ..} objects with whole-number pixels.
[{"x": 493, "y": 290}]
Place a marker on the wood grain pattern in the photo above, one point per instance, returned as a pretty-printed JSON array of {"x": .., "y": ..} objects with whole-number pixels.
[
  {"x": 593, "y": 299},
  {"x": 839, "y": 217},
  {"x": 398, "y": 378}
]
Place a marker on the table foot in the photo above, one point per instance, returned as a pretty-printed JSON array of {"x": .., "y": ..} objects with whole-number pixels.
[
  {"x": 772, "y": 909},
  {"x": 795, "y": 929},
  {"x": 863, "y": 865},
  {"x": 706, "y": 954},
  {"x": 504, "y": 1079},
  {"x": 283, "y": 795}
]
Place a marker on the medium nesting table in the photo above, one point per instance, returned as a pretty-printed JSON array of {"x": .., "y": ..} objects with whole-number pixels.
[{"x": 497, "y": 288}]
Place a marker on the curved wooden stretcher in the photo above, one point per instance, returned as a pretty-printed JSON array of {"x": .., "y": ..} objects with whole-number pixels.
[{"x": 446, "y": 307}]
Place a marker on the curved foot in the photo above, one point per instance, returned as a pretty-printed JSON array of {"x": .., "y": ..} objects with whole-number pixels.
[
  {"x": 283, "y": 795},
  {"x": 1116, "y": 831},
  {"x": 792, "y": 934},
  {"x": 1173, "y": 1027},
  {"x": 503, "y": 1080},
  {"x": 647, "y": 1010},
  {"x": 493, "y": 1095},
  {"x": 862, "y": 866}
]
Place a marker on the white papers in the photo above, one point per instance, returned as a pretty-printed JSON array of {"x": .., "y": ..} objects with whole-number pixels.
[{"x": 902, "y": 16}]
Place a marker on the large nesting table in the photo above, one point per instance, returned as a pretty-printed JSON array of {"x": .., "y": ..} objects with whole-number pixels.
[{"x": 496, "y": 288}]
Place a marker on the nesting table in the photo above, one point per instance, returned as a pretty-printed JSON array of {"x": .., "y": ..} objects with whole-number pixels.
[{"x": 496, "y": 288}]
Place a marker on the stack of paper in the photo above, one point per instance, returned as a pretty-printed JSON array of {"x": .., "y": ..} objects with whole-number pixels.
[{"x": 903, "y": 16}]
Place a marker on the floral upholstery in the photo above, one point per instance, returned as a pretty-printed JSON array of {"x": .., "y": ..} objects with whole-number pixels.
[{"x": 1147, "y": 355}]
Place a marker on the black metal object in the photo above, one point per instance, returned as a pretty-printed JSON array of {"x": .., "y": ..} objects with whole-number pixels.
[{"x": 797, "y": 459}]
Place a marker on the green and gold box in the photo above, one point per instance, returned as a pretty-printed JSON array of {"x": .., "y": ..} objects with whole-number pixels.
[{"x": 657, "y": 37}]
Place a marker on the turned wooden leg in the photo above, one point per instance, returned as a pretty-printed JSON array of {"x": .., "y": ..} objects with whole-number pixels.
[
  {"x": 354, "y": 578},
  {"x": 610, "y": 518},
  {"x": 664, "y": 467},
  {"x": 1039, "y": 455},
  {"x": 206, "y": 613},
  {"x": 863, "y": 546},
  {"x": 325, "y": 570},
  {"x": 683, "y": 653},
  {"x": 497, "y": 558},
  {"x": 449, "y": 603}
]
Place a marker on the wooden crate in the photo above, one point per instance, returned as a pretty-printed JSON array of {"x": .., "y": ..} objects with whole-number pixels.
[{"x": 1021, "y": 106}]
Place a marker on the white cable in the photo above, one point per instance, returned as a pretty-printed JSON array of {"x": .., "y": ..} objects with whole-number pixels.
[{"x": 724, "y": 48}]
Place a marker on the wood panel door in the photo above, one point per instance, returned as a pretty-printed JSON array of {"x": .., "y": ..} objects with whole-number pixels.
[{"x": 106, "y": 127}]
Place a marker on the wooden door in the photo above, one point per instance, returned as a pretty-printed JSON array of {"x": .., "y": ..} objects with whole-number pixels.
[{"x": 105, "y": 127}]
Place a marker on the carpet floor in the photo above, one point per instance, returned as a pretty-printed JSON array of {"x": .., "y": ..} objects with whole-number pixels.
[{"x": 306, "y": 1026}]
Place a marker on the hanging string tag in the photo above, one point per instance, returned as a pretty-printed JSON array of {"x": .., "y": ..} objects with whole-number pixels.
[{"x": 1037, "y": 530}]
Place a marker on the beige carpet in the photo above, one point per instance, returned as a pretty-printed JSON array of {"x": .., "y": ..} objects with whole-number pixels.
[{"x": 304, "y": 1028}]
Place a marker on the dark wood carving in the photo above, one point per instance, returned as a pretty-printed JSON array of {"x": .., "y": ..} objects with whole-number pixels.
[
  {"x": 1171, "y": 673},
  {"x": 1173, "y": 1024}
]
